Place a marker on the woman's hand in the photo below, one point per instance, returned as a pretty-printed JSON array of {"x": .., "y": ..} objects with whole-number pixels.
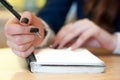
[
  {"x": 18, "y": 34},
  {"x": 85, "y": 33}
]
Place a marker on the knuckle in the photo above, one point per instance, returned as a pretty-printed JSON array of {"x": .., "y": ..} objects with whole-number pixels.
[
  {"x": 27, "y": 12},
  {"x": 77, "y": 44},
  {"x": 86, "y": 20},
  {"x": 18, "y": 40},
  {"x": 22, "y": 48},
  {"x": 63, "y": 42},
  {"x": 82, "y": 37},
  {"x": 8, "y": 43},
  {"x": 97, "y": 31},
  {"x": 6, "y": 29}
]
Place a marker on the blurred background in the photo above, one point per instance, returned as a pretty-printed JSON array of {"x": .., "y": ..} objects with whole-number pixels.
[{"x": 20, "y": 6}]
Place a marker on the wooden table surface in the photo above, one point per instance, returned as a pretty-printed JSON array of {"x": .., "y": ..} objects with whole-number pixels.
[{"x": 14, "y": 68}]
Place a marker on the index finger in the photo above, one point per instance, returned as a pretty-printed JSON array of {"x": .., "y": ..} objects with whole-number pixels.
[{"x": 13, "y": 21}]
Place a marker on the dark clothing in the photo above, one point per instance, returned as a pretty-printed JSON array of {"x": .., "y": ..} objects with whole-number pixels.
[{"x": 55, "y": 11}]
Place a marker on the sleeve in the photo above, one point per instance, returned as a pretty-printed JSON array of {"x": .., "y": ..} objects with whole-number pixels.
[
  {"x": 117, "y": 33},
  {"x": 49, "y": 37},
  {"x": 117, "y": 22},
  {"x": 54, "y": 13},
  {"x": 117, "y": 49}
]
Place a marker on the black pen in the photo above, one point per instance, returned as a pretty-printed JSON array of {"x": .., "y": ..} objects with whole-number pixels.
[{"x": 10, "y": 8}]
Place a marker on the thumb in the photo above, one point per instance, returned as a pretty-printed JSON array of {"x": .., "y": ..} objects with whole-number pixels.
[{"x": 26, "y": 18}]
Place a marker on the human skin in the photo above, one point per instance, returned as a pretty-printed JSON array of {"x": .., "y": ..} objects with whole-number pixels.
[
  {"x": 86, "y": 33},
  {"x": 19, "y": 37}
]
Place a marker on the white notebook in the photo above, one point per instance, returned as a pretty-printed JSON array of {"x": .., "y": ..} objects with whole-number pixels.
[{"x": 50, "y": 60}]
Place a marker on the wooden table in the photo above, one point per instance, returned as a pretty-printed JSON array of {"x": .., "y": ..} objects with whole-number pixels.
[{"x": 14, "y": 68}]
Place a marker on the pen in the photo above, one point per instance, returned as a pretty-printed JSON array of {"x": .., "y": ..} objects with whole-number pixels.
[
  {"x": 10, "y": 8},
  {"x": 18, "y": 16}
]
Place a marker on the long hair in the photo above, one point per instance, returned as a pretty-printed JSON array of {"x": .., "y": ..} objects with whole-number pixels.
[{"x": 102, "y": 12}]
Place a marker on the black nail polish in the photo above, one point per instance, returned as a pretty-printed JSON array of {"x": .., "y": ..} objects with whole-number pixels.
[
  {"x": 32, "y": 30},
  {"x": 25, "y": 20}
]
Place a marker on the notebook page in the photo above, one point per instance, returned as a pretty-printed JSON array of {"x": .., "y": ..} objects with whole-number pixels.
[{"x": 67, "y": 57}]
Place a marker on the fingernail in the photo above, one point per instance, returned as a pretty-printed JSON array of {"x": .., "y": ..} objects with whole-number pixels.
[
  {"x": 32, "y": 30},
  {"x": 25, "y": 20},
  {"x": 56, "y": 46},
  {"x": 69, "y": 48}
]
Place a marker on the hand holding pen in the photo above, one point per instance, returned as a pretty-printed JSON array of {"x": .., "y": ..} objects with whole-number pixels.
[{"x": 20, "y": 31}]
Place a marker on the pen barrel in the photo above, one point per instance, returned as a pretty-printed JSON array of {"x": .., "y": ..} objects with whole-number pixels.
[{"x": 10, "y": 8}]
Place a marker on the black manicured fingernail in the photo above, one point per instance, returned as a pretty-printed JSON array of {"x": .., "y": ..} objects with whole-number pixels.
[
  {"x": 32, "y": 30},
  {"x": 25, "y": 20}
]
